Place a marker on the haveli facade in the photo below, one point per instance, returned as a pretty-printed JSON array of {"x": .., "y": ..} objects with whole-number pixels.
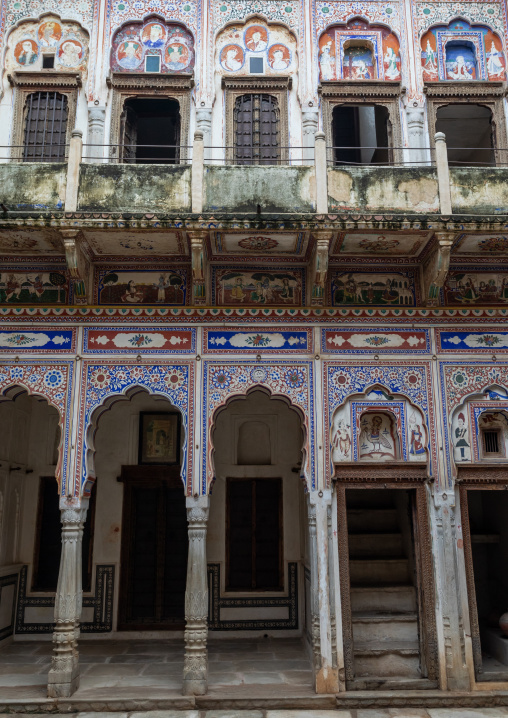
[{"x": 254, "y": 331}]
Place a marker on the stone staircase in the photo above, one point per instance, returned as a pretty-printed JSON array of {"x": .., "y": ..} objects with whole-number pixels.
[{"x": 383, "y": 595}]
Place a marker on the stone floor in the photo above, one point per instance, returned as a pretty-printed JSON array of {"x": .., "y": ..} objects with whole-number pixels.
[
  {"x": 158, "y": 665},
  {"x": 357, "y": 713}
]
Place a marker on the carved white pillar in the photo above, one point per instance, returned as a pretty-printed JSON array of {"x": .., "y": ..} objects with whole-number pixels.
[
  {"x": 96, "y": 121},
  {"x": 204, "y": 123},
  {"x": 314, "y": 604},
  {"x": 63, "y": 678},
  {"x": 195, "y": 668},
  {"x": 416, "y": 134},
  {"x": 333, "y": 628},
  {"x": 310, "y": 127}
]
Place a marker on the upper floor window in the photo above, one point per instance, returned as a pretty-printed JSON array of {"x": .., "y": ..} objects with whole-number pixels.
[
  {"x": 256, "y": 127},
  {"x": 150, "y": 129},
  {"x": 361, "y": 134},
  {"x": 45, "y": 127}
]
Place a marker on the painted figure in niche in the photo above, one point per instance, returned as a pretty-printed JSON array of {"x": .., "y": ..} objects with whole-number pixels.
[
  {"x": 375, "y": 437},
  {"x": 237, "y": 291},
  {"x": 130, "y": 54},
  {"x": 177, "y": 56},
  {"x": 132, "y": 294},
  {"x": 358, "y": 63},
  {"x": 462, "y": 447},
  {"x": 326, "y": 62},
  {"x": 232, "y": 58},
  {"x": 153, "y": 35},
  {"x": 26, "y": 52},
  {"x": 352, "y": 291},
  {"x": 258, "y": 287},
  {"x": 279, "y": 58},
  {"x": 342, "y": 440},
  {"x": 256, "y": 38},
  {"x": 287, "y": 292},
  {"x": 495, "y": 67},
  {"x": 416, "y": 446},
  {"x": 49, "y": 34},
  {"x": 460, "y": 62},
  {"x": 391, "y": 60},
  {"x": 70, "y": 53},
  {"x": 429, "y": 59}
]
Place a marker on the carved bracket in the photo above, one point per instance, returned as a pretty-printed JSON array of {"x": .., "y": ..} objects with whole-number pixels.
[
  {"x": 199, "y": 266},
  {"x": 436, "y": 268},
  {"x": 318, "y": 268},
  {"x": 77, "y": 264}
]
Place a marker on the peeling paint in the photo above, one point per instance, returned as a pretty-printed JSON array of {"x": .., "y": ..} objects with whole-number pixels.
[{"x": 33, "y": 185}]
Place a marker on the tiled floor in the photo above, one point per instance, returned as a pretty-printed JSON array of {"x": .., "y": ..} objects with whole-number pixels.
[{"x": 128, "y": 665}]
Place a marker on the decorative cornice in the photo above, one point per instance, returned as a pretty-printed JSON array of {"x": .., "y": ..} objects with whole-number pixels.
[
  {"x": 390, "y": 472},
  {"x": 149, "y": 81},
  {"x": 482, "y": 474},
  {"x": 255, "y": 82},
  {"x": 49, "y": 78},
  {"x": 469, "y": 90},
  {"x": 367, "y": 88}
]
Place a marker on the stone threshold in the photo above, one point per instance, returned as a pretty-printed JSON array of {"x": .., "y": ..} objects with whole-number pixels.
[{"x": 421, "y": 699}]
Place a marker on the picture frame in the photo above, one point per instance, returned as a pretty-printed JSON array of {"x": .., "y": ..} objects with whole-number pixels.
[{"x": 159, "y": 438}]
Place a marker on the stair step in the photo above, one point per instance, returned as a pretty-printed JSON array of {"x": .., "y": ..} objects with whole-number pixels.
[
  {"x": 361, "y": 521},
  {"x": 395, "y": 683},
  {"x": 377, "y": 629},
  {"x": 392, "y": 659},
  {"x": 375, "y": 545},
  {"x": 375, "y": 571},
  {"x": 383, "y": 598}
]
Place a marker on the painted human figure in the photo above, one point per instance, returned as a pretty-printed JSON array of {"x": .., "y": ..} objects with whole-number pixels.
[
  {"x": 161, "y": 288},
  {"x": 130, "y": 59},
  {"x": 430, "y": 59},
  {"x": 494, "y": 65},
  {"x": 362, "y": 71},
  {"x": 28, "y": 56},
  {"x": 13, "y": 288},
  {"x": 287, "y": 291},
  {"x": 279, "y": 62},
  {"x": 156, "y": 38},
  {"x": 232, "y": 63},
  {"x": 461, "y": 439},
  {"x": 132, "y": 294},
  {"x": 258, "y": 294},
  {"x": 50, "y": 34},
  {"x": 460, "y": 71},
  {"x": 416, "y": 442},
  {"x": 326, "y": 62},
  {"x": 374, "y": 435},
  {"x": 70, "y": 56},
  {"x": 237, "y": 291},
  {"x": 256, "y": 43},
  {"x": 392, "y": 71},
  {"x": 342, "y": 440}
]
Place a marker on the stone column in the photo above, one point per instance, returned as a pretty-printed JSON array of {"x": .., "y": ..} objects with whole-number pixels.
[
  {"x": 416, "y": 133},
  {"x": 197, "y": 172},
  {"x": 195, "y": 668},
  {"x": 73, "y": 165},
  {"x": 204, "y": 123},
  {"x": 95, "y": 145},
  {"x": 63, "y": 677},
  {"x": 443, "y": 173},
  {"x": 314, "y": 609},
  {"x": 325, "y": 673},
  {"x": 310, "y": 127},
  {"x": 321, "y": 173}
]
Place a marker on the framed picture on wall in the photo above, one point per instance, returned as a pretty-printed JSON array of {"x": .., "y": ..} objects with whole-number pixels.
[{"x": 159, "y": 437}]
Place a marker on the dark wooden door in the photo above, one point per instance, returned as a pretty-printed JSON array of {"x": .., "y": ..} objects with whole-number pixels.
[
  {"x": 154, "y": 549},
  {"x": 256, "y": 123}
]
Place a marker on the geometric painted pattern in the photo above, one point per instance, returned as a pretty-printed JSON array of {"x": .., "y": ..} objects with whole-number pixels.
[
  {"x": 291, "y": 379},
  {"x": 103, "y": 379}
]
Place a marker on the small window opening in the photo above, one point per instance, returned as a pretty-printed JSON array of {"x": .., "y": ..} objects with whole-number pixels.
[
  {"x": 45, "y": 127},
  {"x": 469, "y": 134},
  {"x": 48, "y": 62},
  {"x": 361, "y": 134},
  {"x": 152, "y": 63},
  {"x": 491, "y": 442},
  {"x": 256, "y": 65},
  {"x": 151, "y": 131}
]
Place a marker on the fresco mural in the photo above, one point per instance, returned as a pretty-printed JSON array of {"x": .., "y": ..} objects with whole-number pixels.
[
  {"x": 172, "y": 44},
  {"x": 275, "y": 44},
  {"x": 480, "y": 244},
  {"x": 462, "y": 52},
  {"x": 376, "y": 438},
  {"x": 388, "y": 243},
  {"x": 373, "y": 288},
  {"x": 255, "y": 287},
  {"x": 66, "y": 41},
  {"x": 167, "y": 287},
  {"x": 359, "y": 51},
  {"x": 463, "y": 287},
  {"x": 33, "y": 287}
]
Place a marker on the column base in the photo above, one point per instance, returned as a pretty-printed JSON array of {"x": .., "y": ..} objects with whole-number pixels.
[
  {"x": 326, "y": 680},
  {"x": 62, "y": 684},
  {"x": 194, "y": 687}
]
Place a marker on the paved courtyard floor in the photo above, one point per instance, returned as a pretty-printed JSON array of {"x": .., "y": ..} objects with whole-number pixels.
[{"x": 359, "y": 713}]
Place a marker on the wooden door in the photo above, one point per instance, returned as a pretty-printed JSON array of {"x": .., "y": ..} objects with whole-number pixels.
[
  {"x": 154, "y": 549},
  {"x": 128, "y": 134}
]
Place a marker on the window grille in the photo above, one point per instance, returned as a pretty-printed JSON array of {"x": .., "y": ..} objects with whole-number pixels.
[
  {"x": 256, "y": 128},
  {"x": 491, "y": 442},
  {"x": 45, "y": 127}
]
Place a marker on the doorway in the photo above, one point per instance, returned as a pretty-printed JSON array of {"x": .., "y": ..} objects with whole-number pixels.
[
  {"x": 154, "y": 549},
  {"x": 485, "y": 530},
  {"x": 469, "y": 134},
  {"x": 361, "y": 134},
  {"x": 389, "y": 633},
  {"x": 150, "y": 131}
]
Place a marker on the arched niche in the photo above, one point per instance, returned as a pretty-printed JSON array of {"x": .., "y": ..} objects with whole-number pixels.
[
  {"x": 256, "y": 47},
  {"x": 153, "y": 45},
  {"x": 47, "y": 43},
  {"x": 461, "y": 51},
  {"x": 359, "y": 51},
  {"x": 378, "y": 427},
  {"x": 479, "y": 427}
]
